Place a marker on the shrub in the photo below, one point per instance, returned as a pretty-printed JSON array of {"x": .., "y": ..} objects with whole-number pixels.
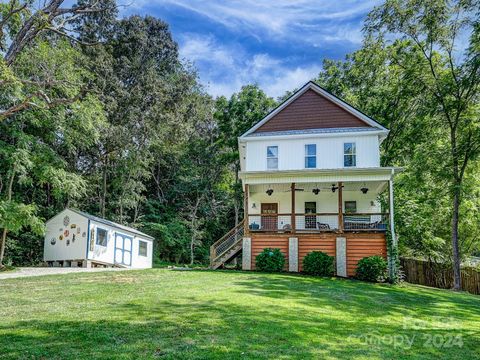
[
  {"x": 270, "y": 260},
  {"x": 372, "y": 268},
  {"x": 318, "y": 263}
]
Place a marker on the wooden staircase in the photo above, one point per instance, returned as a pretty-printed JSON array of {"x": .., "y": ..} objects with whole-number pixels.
[{"x": 229, "y": 246}]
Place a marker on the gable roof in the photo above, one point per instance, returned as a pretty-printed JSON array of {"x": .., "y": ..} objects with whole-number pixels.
[
  {"x": 313, "y": 108},
  {"x": 110, "y": 223}
]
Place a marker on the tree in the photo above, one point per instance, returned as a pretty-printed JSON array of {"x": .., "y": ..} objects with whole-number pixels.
[
  {"x": 20, "y": 26},
  {"x": 235, "y": 116},
  {"x": 451, "y": 76}
]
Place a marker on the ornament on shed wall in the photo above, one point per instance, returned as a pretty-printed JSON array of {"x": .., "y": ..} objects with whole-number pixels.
[
  {"x": 78, "y": 230},
  {"x": 53, "y": 241},
  {"x": 61, "y": 229},
  {"x": 66, "y": 233},
  {"x": 73, "y": 238},
  {"x": 92, "y": 239},
  {"x": 68, "y": 242},
  {"x": 84, "y": 234},
  {"x": 73, "y": 226},
  {"x": 60, "y": 237},
  {"x": 66, "y": 220}
]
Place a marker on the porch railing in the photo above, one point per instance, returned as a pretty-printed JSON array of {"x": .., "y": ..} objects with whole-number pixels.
[{"x": 317, "y": 222}]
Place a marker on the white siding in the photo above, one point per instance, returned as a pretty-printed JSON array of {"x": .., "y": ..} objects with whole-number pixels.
[
  {"x": 291, "y": 152},
  {"x": 107, "y": 253},
  {"x": 76, "y": 250}
]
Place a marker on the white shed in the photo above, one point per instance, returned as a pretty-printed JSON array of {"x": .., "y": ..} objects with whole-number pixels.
[{"x": 75, "y": 238}]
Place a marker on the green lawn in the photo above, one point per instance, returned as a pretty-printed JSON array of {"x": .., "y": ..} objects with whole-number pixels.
[{"x": 227, "y": 315}]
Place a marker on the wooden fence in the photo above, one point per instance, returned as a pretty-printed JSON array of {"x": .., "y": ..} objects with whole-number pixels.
[{"x": 439, "y": 275}]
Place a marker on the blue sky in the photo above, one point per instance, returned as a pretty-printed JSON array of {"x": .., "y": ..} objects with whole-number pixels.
[{"x": 277, "y": 44}]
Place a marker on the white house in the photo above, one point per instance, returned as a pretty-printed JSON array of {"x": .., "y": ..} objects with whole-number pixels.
[
  {"x": 75, "y": 238},
  {"x": 312, "y": 180}
]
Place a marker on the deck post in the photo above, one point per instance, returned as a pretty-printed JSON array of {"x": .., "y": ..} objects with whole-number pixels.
[
  {"x": 292, "y": 221},
  {"x": 391, "y": 257},
  {"x": 340, "y": 206},
  {"x": 245, "y": 211}
]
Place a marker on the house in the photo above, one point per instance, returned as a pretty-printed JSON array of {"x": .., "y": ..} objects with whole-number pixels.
[
  {"x": 75, "y": 238},
  {"x": 312, "y": 180}
]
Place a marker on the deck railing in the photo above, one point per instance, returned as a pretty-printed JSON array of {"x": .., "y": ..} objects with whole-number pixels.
[
  {"x": 220, "y": 246},
  {"x": 317, "y": 222}
]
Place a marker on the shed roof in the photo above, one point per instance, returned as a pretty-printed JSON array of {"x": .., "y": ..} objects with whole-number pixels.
[{"x": 111, "y": 223}]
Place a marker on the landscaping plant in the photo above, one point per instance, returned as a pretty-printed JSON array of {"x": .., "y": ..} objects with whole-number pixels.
[
  {"x": 270, "y": 260},
  {"x": 318, "y": 263},
  {"x": 372, "y": 268}
]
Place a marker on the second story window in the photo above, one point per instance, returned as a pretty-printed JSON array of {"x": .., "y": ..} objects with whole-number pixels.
[
  {"x": 310, "y": 156},
  {"x": 272, "y": 157},
  {"x": 349, "y": 154}
]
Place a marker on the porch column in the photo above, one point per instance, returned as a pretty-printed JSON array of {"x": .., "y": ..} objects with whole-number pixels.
[
  {"x": 392, "y": 259},
  {"x": 292, "y": 187},
  {"x": 245, "y": 211},
  {"x": 247, "y": 253},
  {"x": 340, "y": 206}
]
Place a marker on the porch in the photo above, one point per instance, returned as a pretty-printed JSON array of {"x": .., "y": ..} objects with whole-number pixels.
[{"x": 306, "y": 207}]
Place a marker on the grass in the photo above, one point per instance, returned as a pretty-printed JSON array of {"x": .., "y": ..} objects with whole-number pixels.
[{"x": 164, "y": 314}]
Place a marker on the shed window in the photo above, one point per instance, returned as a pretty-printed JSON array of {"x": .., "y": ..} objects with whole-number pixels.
[
  {"x": 102, "y": 237},
  {"x": 142, "y": 248},
  {"x": 310, "y": 156},
  {"x": 272, "y": 157},
  {"x": 350, "y": 207},
  {"x": 349, "y": 155}
]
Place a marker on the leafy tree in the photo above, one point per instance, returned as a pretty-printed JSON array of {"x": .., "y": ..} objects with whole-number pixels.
[
  {"x": 235, "y": 116},
  {"x": 452, "y": 80}
]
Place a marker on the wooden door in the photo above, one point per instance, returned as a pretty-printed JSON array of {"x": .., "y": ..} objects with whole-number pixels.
[
  {"x": 269, "y": 222},
  {"x": 310, "y": 220}
]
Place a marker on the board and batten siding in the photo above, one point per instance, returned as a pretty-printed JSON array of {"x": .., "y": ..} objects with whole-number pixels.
[
  {"x": 76, "y": 248},
  {"x": 291, "y": 152}
]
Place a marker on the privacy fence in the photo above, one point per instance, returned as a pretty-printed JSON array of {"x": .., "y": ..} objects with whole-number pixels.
[{"x": 439, "y": 275}]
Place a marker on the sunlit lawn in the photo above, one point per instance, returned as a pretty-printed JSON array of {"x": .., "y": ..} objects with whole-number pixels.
[{"x": 228, "y": 315}]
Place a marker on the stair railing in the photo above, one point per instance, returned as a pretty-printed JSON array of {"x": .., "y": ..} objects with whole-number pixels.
[{"x": 222, "y": 245}]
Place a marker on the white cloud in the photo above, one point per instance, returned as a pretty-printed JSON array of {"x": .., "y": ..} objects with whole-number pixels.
[{"x": 225, "y": 69}]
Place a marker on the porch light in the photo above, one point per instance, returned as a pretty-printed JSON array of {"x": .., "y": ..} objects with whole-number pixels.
[
  {"x": 316, "y": 191},
  {"x": 269, "y": 192},
  {"x": 254, "y": 206},
  {"x": 334, "y": 188}
]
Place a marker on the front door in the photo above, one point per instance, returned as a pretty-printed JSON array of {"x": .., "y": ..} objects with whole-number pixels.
[
  {"x": 310, "y": 220},
  {"x": 123, "y": 249},
  {"x": 269, "y": 222}
]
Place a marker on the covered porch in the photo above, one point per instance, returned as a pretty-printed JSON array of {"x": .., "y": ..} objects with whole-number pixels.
[{"x": 318, "y": 201}]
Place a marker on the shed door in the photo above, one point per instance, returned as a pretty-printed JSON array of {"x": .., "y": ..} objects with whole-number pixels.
[{"x": 123, "y": 249}]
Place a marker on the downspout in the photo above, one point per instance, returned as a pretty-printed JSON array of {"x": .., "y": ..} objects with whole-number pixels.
[{"x": 392, "y": 256}]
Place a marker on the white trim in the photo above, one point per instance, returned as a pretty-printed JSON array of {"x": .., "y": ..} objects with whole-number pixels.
[
  {"x": 322, "y": 92},
  {"x": 242, "y": 139}
]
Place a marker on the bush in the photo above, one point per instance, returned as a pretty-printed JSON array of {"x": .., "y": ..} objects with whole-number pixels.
[
  {"x": 270, "y": 260},
  {"x": 318, "y": 263},
  {"x": 372, "y": 268}
]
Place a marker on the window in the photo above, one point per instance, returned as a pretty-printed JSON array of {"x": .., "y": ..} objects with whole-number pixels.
[
  {"x": 350, "y": 207},
  {"x": 142, "y": 248},
  {"x": 272, "y": 157},
  {"x": 102, "y": 237},
  {"x": 349, "y": 155},
  {"x": 310, "y": 156}
]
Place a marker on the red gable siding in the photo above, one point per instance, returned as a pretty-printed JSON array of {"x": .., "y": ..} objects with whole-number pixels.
[{"x": 311, "y": 111}]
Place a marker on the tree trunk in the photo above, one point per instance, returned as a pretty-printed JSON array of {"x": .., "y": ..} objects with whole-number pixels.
[
  {"x": 104, "y": 189},
  {"x": 457, "y": 280},
  {"x": 2, "y": 247},
  {"x": 5, "y": 230}
]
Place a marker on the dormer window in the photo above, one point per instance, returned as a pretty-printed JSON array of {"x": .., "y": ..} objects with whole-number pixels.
[
  {"x": 349, "y": 154},
  {"x": 272, "y": 157},
  {"x": 310, "y": 156}
]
